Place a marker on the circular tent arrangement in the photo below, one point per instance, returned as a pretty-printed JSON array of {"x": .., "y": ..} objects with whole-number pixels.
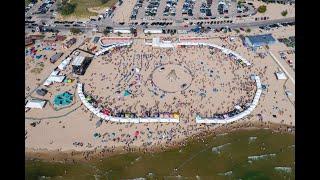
[{"x": 171, "y": 75}]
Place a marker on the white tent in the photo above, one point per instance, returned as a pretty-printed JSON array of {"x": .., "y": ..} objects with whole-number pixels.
[
  {"x": 153, "y": 31},
  {"x": 122, "y": 30},
  {"x": 281, "y": 76},
  {"x": 64, "y": 63},
  {"x": 78, "y": 61},
  {"x": 54, "y": 73},
  {"x": 164, "y": 120},
  {"x": 53, "y": 79},
  {"x": 36, "y": 103},
  {"x": 145, "y": 120},
  {"x": 56, "y": 78},
  {"x": 47, "y": 83},
  {"x": 135, "y": 120}
]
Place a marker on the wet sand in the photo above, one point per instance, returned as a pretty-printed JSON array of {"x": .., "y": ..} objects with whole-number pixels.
[{"x": 83, "y": 156}]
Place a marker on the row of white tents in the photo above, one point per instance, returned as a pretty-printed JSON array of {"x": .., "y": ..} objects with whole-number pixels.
[
  {"x": 167, "y": 44},
  {"x": 63, "y": 65},
  {"x": 156, "y": 42},
  {"x": 240, "y": 115},
  {"x": 54, "y": 77},
  {"x": 97, "y": 112},
  {"x": 112, "y": 46}
]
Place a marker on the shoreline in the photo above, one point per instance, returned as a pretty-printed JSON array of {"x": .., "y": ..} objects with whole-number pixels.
[{"x": 72, "y": 156}]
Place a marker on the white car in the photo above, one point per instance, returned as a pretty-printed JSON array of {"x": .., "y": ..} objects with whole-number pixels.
[{"x": 76, "y": 53}]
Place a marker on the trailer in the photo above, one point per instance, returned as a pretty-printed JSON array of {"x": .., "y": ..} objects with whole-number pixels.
[
  {"x": 153, "y": 31},
  {"x": 122, "y": 30}
]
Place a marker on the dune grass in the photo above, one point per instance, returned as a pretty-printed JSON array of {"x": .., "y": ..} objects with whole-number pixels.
[{"x": 83, "y": 5}]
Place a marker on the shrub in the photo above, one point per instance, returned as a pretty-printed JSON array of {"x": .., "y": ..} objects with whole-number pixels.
[
  {"x": 262, "y": 9},
  {"x": 284, "y": 13}
]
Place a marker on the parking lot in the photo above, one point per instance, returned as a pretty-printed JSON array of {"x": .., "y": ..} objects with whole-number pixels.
[
  {"x": 42, "y": 12},
  {"x": 188, "y": 9},
  {"x": 183, "y": 15}
]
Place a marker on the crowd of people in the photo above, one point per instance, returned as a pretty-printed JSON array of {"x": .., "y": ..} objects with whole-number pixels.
[{"x": 218, "y": 84}]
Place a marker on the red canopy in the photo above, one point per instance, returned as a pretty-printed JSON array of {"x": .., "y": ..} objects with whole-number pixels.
[{"x": 106, "y": 111}]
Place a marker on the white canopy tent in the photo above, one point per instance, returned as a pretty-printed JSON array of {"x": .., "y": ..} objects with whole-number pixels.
[
  {"x": 36, "y": 103},
  {"x": 64, "y": 63},
  {"x": 281, "y": 76}
]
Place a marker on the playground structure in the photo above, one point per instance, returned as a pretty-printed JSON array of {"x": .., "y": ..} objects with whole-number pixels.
[{"x": 63, "y": 99}]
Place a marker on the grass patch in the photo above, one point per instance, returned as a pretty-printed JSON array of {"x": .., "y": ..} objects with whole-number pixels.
[
  {"x": 36, "y": 70},
  {"x": 81, "y": 9}
]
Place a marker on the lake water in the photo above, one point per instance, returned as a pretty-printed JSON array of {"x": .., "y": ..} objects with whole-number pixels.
[{"x": 244, "y": 154}]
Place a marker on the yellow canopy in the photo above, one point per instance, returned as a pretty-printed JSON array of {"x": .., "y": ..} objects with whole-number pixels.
[{"x": 176, "y": 115}]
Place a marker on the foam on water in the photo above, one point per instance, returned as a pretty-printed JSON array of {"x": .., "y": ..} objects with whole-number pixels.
[
  {"x": 138, "y": 158},
  {"x": 292, "y": 146},
  {"x": 284, "y": 169},
  {"x": 260, "y": 157},
  {"x": 252, "y": 139},
  {"x": 229, "y": 173},
  {"x": 219, "y": 148},
  {"x": 222, "y": 134}
]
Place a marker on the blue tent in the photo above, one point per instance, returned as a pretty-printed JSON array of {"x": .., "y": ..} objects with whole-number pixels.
[
  {"x": 197, "y": 29},
  {"x": 126, "y": 93}
]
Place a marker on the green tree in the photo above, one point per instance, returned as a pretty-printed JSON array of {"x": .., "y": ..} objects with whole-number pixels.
[
  {"x": 75, "y": 31},
  {"x": 103, "y": 1},
  {"x": 240, "y": 2},
  {"x": 284, "y": 13},
  {"x": 66, "y": 8},
  {"x": 248, "y": 30},
  {"x": 262, "y": 9},
  {"x": 27, "y": 2}
]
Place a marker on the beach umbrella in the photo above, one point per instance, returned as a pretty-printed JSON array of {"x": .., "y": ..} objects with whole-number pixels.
[
  {"x": 136, "y": 133},
  {"x": 176, "y": 115},
  {"x": 95, "y": 134}
]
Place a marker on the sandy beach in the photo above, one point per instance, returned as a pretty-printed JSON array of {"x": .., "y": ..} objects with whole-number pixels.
[
  {"x": 72, "y": 128},
  {"x": 72, "y": 156}
]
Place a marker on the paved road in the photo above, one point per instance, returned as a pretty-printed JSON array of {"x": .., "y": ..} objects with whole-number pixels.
[
  {"x": 61, "y": 27},
  {"x": 232, "y": 25}
]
